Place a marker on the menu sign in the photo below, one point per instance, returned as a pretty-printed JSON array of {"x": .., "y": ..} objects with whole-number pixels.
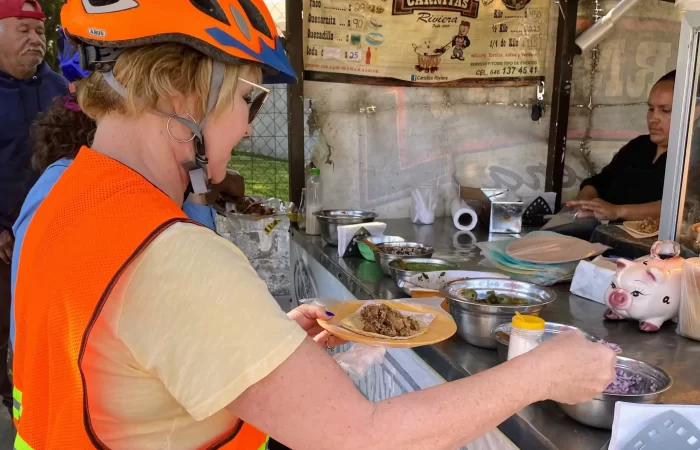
[{"x": 429, "y": 41}]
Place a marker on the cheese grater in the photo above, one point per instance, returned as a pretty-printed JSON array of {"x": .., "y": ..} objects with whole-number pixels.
[
  {"x": 668, "y": 431},
  {"x": 535, "y": 212}
]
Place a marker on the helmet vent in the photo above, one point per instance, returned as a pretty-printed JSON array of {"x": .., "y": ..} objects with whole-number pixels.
[
  {"x": 108, "y": 6},
  {"x": 257, "y": 20},
  {"x": 241, "y": 22},
  {"x": 212, "y": 9}
]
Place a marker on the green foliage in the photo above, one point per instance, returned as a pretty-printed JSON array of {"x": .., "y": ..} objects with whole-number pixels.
[
  {"x": 264, "y": 176},
  {"x": 52, "y": 9}
]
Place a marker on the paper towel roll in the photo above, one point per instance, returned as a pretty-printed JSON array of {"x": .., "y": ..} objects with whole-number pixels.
[
  {"x": 463, "y": 239},
  {"x": 463, "y": 216}
]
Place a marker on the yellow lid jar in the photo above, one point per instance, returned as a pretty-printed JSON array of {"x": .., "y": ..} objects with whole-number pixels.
[{"x": 526, "y": 333}]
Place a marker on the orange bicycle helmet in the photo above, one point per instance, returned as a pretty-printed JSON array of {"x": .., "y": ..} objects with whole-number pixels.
[{"x": 229, "y": 31}]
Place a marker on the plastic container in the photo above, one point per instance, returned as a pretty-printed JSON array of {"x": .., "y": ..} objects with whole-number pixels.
[
  {"x": 314, "y": 202},
  {"x": 301, "y": 218},
  {"x": 525, "y": 334},
  {"x": 424, "y": 199}
]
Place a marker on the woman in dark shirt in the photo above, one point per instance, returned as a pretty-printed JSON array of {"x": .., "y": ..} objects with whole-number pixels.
[{"x": 631, "y": 186}]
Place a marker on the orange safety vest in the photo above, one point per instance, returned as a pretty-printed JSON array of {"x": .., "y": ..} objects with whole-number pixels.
[{"x": 96, "y": 220}]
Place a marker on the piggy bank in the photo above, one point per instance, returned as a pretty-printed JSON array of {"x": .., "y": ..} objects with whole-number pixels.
[{"x": 647, "y": 289}]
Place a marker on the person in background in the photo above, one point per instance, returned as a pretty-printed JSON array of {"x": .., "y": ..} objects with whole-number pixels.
[
  {"x": 137, "y": 329},
  {"x": 27, "y": 86},
  {"x": 631, "y": 186}
]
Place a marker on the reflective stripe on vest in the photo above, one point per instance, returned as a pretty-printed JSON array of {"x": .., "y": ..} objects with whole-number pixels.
[
  {"x": 95, "y": 221},
  {"x": 16, "y": 403},
  {"x": 20, "y": 444}
]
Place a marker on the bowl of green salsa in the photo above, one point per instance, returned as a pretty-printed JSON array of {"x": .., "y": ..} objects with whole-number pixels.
[{"x": 415, "y": 266}]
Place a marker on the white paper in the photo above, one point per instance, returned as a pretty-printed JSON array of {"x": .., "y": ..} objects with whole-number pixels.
[
  {"x": 631, "y": 418},
  {"x": 592, "y": 279},
  {"x": 635, "y": 234},
  {"x": 347, "y": 232}
]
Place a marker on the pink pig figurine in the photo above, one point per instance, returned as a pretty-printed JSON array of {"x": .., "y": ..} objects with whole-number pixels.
[{"x": 647, "y": 289}]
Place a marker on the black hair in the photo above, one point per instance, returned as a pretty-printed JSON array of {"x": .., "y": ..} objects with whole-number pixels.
[{"x": 671, "y": 76}]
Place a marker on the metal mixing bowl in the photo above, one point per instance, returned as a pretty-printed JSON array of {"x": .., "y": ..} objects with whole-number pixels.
[
  {"x": 600, "y": 412},
  {"x": 383, "y": 258},
  {"x": 502, "y": 335},
  {"x": 329, "y": 219},
  {"x": 367, "y": 252},
  {"x": 399, "y": 274},
  {"x": 476, "y": 321}
]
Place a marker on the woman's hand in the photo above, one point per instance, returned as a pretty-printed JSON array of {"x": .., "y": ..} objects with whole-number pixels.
[
  {"x": 598, "y": 208},
  {"x": 306, "y": 316}
]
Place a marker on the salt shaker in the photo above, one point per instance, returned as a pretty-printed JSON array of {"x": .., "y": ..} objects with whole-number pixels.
[{"x": 525, "y": 334}]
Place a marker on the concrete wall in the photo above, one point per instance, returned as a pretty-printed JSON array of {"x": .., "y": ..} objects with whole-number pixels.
[{"x": 485, "y": 136}]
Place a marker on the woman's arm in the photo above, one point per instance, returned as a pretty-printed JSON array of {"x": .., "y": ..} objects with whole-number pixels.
[
  {"x": 587, "y": 193},
  {"x": 309, "y": 403},
  {"x": 602, "y": 210},
  {"x": 640, "y": 212}
]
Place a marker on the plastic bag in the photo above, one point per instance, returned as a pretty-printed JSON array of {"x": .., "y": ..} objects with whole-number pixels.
[
  {"x": 689, "y": 312},
  {"x": 688, "y": 5},
  {"x": 543, "y": 274},
  {"x": 424, "y": 202},
  {"x": 359, "y": 359}
]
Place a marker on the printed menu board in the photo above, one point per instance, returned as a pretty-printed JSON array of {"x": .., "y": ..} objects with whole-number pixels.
[{"x": 429, "y": 41}]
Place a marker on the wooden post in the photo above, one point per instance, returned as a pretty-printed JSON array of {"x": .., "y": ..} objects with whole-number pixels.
[
  {"x": 561, "y": 95},
  {"x": 295, "y": 99}
]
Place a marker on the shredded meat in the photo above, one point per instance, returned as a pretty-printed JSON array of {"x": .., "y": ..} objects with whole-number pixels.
[
  {"x": 383, "y": 320},
  {"x": 650, "y": 225}
]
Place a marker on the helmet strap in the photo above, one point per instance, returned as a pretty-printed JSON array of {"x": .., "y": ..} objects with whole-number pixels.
[{"x": 197, "y": 169}]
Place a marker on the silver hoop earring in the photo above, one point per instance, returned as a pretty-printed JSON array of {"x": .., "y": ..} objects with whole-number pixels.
[{"x": 167, "y": 127}]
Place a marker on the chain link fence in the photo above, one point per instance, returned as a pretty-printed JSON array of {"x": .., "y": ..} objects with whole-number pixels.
[{"x": 263, "y": 158}]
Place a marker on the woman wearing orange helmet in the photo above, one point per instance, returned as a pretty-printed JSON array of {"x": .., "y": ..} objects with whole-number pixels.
[{"x": 136, "y": 329}]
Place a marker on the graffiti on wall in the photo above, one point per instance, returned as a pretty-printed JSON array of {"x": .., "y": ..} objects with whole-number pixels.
[{"x": 532, "y": 178}]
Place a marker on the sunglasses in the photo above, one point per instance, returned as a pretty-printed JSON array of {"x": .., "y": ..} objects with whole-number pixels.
[{"x": 255, "y": 100}]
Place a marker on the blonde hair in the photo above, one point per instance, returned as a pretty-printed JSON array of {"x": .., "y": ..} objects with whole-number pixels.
[{"x": 153, "y": 72}]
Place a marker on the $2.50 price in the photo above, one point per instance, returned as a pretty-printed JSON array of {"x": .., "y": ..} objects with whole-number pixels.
[{"x": 353, "y": 55}]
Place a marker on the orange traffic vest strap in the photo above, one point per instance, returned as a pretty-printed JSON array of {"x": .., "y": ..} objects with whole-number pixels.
[{"x": 96, "y": 220}]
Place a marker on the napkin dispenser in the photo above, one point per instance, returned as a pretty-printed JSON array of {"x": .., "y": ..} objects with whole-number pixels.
[{"x": 500, "y": 208}]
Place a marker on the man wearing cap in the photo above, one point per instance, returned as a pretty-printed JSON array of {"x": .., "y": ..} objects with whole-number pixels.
[{"x": 27, "y": 86}]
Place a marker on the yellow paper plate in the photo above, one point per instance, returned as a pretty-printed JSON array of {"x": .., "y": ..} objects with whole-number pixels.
[{"x": 442, "y": 327}]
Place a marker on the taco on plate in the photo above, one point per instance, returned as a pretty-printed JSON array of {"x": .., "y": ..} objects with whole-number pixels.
[{"x": 381, "y": 321}]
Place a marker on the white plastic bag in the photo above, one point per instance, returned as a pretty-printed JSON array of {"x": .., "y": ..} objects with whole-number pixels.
[
  {"x": 359, "y": 359},
  {"x": 424, "y": 200},
  {"x": 689, "y": 312}
]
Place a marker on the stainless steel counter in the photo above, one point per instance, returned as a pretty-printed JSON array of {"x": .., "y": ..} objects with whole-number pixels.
[{"x": 543, "y": 425}]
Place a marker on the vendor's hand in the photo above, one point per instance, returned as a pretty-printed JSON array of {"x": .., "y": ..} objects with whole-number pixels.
[
  {"x": 574, "y": 368},
  {"x": 598, "y": 208},
  {"x": 7, "y": 244},
  {"x": 306, "y": 316}
]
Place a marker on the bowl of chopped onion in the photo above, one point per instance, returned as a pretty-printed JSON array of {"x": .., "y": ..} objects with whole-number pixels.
[{"x": 635, "y": 382}]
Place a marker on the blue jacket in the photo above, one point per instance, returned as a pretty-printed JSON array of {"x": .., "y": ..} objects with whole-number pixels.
[
  {"x": 199, "y": 213},
  {"x": 20, "y": 102}
]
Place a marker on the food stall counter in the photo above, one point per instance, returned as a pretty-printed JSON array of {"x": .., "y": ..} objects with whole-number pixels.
[{"x": 539, "y": 426}]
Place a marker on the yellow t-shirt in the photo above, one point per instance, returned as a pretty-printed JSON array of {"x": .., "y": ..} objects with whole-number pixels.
[{"x": 187, "y": 329}]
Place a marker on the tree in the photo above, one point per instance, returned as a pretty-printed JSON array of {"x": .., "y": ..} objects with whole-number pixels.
[{"x": 52, "y": 9}]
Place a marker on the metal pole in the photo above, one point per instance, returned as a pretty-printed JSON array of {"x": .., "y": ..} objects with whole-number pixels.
[
  {"x": 295, "y": 99},
  {"x": 561, "y": 95}
]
